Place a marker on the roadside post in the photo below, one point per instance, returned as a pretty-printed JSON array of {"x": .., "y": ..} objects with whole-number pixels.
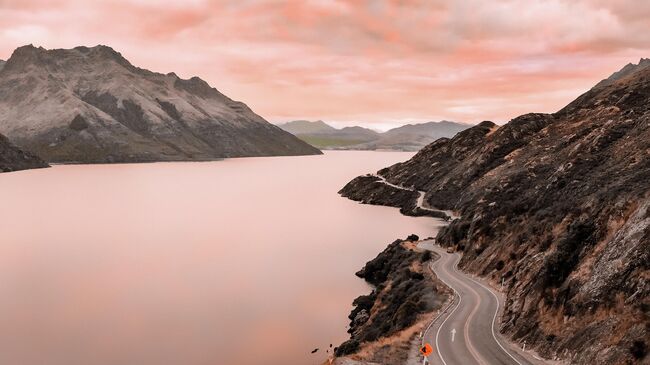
[{"x": 426, "y": 350}]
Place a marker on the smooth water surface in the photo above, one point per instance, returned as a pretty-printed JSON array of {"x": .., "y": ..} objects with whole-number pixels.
[{"x": 235, "y": 262}]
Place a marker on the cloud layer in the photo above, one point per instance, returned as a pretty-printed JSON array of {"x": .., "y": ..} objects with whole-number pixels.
[{"x": 378, "y": 62}]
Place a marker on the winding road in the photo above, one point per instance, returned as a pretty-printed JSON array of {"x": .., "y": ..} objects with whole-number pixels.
[
  {"x": 420, "y": 203},
  {"x": 466, "y": 333}
]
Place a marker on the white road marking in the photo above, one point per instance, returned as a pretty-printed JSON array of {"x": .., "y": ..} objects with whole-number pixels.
[
  {"x": 420, "y": 201},
  {"x": 453, "y": 334},
  {"x": 460, "y": 299},
  {"x": 494, "y": 320}
]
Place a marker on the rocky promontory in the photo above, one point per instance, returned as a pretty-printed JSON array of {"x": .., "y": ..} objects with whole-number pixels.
[
  {"x": 385, "y": 322},
  {"x": 14, "y": 159}
]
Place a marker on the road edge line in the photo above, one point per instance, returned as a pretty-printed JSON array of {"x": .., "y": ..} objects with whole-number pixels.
[{"x": 496, "y": 313}]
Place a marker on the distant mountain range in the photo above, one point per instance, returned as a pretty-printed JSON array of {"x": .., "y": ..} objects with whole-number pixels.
[
  {"x": 410, "y": 137},
  {"x": 90, "y": 105}
]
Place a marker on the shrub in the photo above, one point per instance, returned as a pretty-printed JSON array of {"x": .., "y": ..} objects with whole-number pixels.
[
  {"x": 426, "y": 256},
  {"x": 500, "y": 265},
  {"x": 639, "y": 349},
  {"x": 413, "y": 238},
  {"x": 347, "y": 347},
  {"x": 560, "y": 263}
]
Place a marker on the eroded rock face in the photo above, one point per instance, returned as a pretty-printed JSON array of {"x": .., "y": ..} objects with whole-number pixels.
[
  {"x": 13, "y": 159},
  {"x": 556, "y": 205},
  {"x": 91, "y": 105}
]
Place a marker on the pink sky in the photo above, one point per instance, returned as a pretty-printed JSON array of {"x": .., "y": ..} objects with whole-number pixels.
[{"x": 376, "y": 63}]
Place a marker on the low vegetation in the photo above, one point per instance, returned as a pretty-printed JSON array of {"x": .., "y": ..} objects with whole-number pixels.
[{"x": 403, "y": 291}]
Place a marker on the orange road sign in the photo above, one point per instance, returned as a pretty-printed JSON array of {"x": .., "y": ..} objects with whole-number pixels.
[{"x": 426, "y": 350}]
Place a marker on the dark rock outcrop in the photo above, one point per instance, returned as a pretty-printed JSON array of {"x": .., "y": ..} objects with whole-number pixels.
[
  {"x": 90, "y": 105},
  {"x": 13, "y": 159},
  {"x": 370, "y": 189},
  {"x": 558, "y": 206},
  {"x": 399, "y": 296}
]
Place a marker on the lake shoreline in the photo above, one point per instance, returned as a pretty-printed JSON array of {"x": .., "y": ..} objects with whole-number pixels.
[
  {"x": 405, "y": 290},
  {"x": 162, "y": 242}
]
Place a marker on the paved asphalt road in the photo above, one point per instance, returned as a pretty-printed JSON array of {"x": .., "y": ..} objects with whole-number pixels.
[{"x": 467, "y": 333}]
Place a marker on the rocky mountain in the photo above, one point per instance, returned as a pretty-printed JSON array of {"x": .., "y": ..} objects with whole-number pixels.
[
  {"x": 557, "y": 206},
  {"x": 92, "y": 105},
  {"x": 2, "y": 64},
  {"x": 13, "y": 159},
  {"x": 410, "y": 137}
]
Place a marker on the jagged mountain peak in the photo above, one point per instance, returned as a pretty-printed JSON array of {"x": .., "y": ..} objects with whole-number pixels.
[
  {"x": 627, "y": 70},
  {"x": 626, "y": 89},
  {"x": 53, "y": 60}
]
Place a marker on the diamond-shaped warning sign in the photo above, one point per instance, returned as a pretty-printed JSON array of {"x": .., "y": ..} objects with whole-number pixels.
[{"x": 426, "y": 350}]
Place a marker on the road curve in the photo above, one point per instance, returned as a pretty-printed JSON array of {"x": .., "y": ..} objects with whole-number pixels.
[
  {"x": 466, "y": 333},
  {"x": 420, "y": 202}
]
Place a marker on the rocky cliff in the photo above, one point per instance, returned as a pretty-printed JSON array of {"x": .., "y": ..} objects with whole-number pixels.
[
  {"x": 92, "y": 105},
  {"x": 13, "y": 159},
  {"x": 384, "y": 323},
  {"x": 557, "y": 206}
]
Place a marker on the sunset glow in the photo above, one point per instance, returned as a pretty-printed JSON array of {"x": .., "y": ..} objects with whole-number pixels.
[{"x": 376, "y": 63}]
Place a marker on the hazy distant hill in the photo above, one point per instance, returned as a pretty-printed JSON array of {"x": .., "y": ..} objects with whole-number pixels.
[
  {"x": 92, "y": 105},
  {"x": 306, "y": 127},
  {"x": 410, "y": 137},
  {"x": 321, "y": 135}
]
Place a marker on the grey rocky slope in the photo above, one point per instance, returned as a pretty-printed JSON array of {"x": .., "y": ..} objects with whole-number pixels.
[
  {"x": 13, "y": 159},
  {"x": 558, "y": 207},
  {"x": 92, "y": 105},
  {"x": 410, "y": 137}
]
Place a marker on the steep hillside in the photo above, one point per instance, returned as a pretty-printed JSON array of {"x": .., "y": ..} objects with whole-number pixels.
[
  {"x": 92, "y": 105},
  {"x": 558, "y": 207},
  {"x": 13, "y": 159}
]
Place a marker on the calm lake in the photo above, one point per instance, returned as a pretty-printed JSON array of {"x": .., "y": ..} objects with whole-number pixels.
[{"x": 234, "y": 262}]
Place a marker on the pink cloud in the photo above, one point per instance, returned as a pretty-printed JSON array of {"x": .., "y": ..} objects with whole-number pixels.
[{"x": 374, "y": 62}]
